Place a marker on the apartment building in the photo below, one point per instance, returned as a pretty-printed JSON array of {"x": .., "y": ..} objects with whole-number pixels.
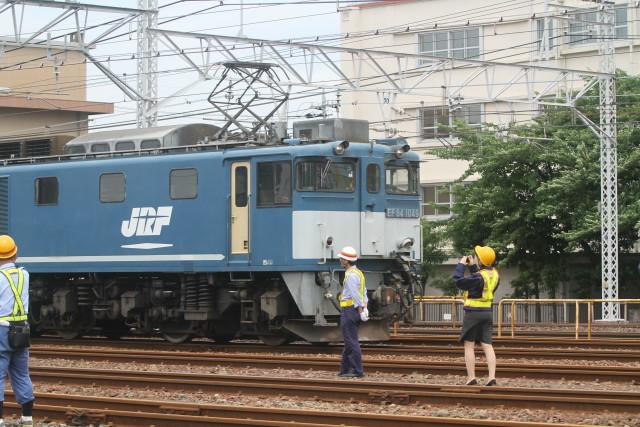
[
  {"x": 43, "y": 98},
  {"x": 558, "y": 34}
]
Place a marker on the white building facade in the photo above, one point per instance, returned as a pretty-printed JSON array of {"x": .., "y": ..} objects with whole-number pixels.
[{"x": 558, "y": 34}]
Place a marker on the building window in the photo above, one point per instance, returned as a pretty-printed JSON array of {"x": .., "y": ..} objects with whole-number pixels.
[
  {"x": 183, "y": 184},
  {"x": 583, "y": 26},
  {"x": 540, "y": 32},
  {"x": 437, "y": 200},
  {"x": 621, "y": 21},
  {"x": 46, "y": 191},
  {"x": 274, "y": 184},
  {"x": 112, "y": 187},
  {"x": 373, "y": 178},
  {"x": 450, "y": 44},
  {"x": 433, "y": 118}
]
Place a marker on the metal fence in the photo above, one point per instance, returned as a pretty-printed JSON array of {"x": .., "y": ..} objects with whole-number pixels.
[{"x": 512, "y": 313}]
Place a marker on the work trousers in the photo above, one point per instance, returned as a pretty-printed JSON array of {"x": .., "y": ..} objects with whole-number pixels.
[
  {"x": 351, "y": 355},
  {"x": 16, "y": 364}
]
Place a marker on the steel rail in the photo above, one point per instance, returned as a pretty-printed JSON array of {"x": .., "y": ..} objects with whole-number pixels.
[
  {"x": 341, "y": 390},
  {"x": 367, "y": 349},
  {"x": 304, "y": 362},
  {"x": 137, "y": 412}
]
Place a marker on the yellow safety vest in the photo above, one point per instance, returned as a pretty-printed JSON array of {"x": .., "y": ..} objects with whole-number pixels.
[
  {"x": 490, "y": 278},
  {"x": 18, "y": 313},
  {"x": 353, "y": 270}
]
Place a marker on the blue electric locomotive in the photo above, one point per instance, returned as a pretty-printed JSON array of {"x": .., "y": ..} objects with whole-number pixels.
[{"x": 221, "y": 241}]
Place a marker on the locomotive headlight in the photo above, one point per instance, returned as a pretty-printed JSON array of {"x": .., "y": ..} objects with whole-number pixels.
[
  {"x": 406, "y": 243},
  {"x": 328, "y": 242},
  {"x": 400, "y": 150},
  {"x": 340, "y": 148}
]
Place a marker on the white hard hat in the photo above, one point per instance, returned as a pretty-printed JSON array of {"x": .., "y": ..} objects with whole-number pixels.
[{"x": 348, "y": 253}]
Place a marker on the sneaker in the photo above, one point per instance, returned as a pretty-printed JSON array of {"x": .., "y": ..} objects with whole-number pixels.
[
  {"x": 491, "y": 383},
  {"x": 26, "y": 423}
]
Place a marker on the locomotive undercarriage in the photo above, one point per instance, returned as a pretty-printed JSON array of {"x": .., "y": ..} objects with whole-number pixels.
[{"x": 277, "y": 308}]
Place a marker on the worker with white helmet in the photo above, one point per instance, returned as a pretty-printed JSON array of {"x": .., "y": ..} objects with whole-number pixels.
[
  {"x": 477, "y": 325},
  {"x": 14, "y": 331},
  {"x": 353, "y": 305}
]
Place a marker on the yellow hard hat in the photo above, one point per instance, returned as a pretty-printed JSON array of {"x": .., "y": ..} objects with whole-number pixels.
[
  {"x": 8, "y": 247},
  {"x": 485, "y": 254}
]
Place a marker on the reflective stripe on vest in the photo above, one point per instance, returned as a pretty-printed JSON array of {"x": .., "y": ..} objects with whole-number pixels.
[
  {"x": 490, "y": 278},
  {"x": 353, "y": 270},
  {"x": 18, "y": 313}
]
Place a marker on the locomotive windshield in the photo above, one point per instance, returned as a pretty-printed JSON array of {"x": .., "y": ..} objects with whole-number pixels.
[
  {"x": 401, "y": 179},
  {"x": 326, "y": 175}
]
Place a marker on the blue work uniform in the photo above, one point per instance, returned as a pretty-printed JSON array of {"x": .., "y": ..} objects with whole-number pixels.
[
  {"x": 354, "y": 295},
  {"x": 14, "y": 281}
]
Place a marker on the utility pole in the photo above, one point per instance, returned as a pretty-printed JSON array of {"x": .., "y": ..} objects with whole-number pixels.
[
  {"x": 608, "y": 161},
  {"x": 147, "y": 115}
]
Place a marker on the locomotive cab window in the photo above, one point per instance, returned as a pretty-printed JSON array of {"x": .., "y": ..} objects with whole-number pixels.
[
  {"x": 112, "y": 187},
  {"x": 46, "y": 191},
  {"x": 274, "y": 184},
  {"x": 183, "y": 183},
  {"x": 401, "y": 179},
  {"x": 326, "y": 175},
  {"x": 373, "y": 178}
]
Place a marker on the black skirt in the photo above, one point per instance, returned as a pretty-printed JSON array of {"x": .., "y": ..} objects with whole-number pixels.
[{"x": 477, "y": 326}]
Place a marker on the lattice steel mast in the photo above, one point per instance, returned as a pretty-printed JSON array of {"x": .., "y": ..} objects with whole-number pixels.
[
  {"x": 608, "y": 161},
  {"x": 147, "y": 114}
]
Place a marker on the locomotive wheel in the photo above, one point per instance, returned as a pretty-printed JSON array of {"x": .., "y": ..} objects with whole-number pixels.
[
  {"x": 177, "y": 338},
  {"x": 275, "y": 340}
]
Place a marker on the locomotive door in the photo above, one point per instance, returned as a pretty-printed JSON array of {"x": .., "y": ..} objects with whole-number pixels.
[
  {"x": 240, "y": 192},
  {"x": 372, "y": 212}
]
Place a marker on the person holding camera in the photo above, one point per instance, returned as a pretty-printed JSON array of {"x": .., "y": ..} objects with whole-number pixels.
[
  {"x": 479, "y": 287},
  {"x": 14, "y": 330}
]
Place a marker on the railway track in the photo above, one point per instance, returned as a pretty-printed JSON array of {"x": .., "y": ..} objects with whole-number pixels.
[
  {"x": 619, "y": 355},
  {"x": 85, "y": 410},
  {"x": 305, "y": 362},
  {"x": 341, "y": 390}
]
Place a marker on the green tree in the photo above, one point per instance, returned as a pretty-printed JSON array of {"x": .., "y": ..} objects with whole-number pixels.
[
  {"x": 538, "y": 190},
  {"x": 434, "y": 254}
]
